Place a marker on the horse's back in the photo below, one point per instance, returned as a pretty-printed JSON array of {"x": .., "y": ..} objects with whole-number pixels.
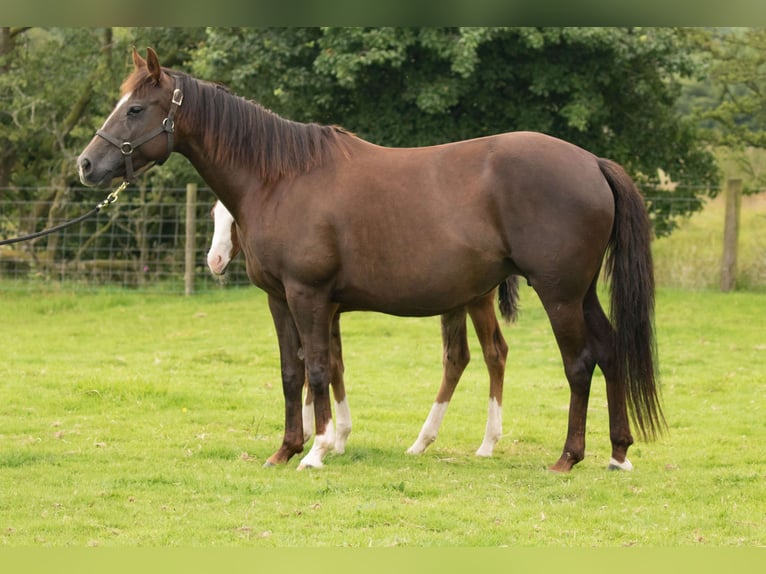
[{"x": 499, "y": 192}]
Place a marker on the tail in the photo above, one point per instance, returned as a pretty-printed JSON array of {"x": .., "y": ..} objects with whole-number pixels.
[
  {"x": 629, "y": 263},
  {"x": 508, "y": 298}
]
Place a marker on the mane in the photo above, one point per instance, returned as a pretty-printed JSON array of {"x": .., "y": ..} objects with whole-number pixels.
[{"x": 237, "y": 131}]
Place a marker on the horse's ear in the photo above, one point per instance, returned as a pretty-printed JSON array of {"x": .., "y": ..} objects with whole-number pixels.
[
  {"x": 153, "y": 65},
  {"x": 138, "y": 61}
]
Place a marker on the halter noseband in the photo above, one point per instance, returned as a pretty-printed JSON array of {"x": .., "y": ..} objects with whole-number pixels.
[{"x": 127, "y": 148}]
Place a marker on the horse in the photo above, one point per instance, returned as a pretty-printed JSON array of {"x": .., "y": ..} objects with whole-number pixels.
[
  {"x": 225, "y": 246},
  {"x": 331, "y": 223}
]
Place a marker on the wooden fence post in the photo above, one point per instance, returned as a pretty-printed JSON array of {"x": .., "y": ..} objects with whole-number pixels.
[
  {"x": 191, "y": 229},
  {"x": 731, "y": 234}
]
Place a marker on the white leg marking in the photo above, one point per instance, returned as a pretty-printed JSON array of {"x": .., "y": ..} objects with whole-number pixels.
[
  {"x": 343, "y": 424},
  {"x": 494, "y": 428},
  {"x": 308, "y": 422},
  {"x": 430, "y": 428},
  {"x": 323, "y": 444},
  {"x": 614, "y": 465}
]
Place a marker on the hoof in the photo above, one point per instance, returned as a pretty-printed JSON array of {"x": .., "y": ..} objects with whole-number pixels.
[
  {"x": 485, "y": 451},
  {"x": 268, "y": 464},
  {"x": 614, "y": 465},
  {"x": 304, "y": 466},
  {"x": 564, "y": 464}
]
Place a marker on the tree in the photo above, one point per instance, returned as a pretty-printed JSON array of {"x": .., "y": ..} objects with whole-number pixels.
[
  {"x": 736, "y": 71},
  {"x": 50, "y": 80},
  {"x": 56, "y": 87},
  {"x": 611, "y": 90}
]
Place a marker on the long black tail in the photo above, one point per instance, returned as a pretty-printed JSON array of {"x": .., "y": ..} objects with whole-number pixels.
[
  {"x": 629, "y": 262},
  {"x": 508, "y": 298}
]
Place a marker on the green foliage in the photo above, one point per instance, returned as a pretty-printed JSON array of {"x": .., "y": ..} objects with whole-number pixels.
[
  {"x": 736, "y": 104},
  {"x": 610, "y": 90},
  {"x": 46, "y": 82}
]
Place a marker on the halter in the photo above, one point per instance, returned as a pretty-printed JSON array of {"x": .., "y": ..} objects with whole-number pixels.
[{"x": 127, "y": 148}]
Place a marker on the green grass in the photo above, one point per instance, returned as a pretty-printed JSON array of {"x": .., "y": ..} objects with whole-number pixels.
[
  {"x": 136, "y": 420},
  {"x": 690, "y": 258}
]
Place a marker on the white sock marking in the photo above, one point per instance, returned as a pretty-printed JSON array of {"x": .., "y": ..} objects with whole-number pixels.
[
  {"x": 308, "y": 422},
  {"x": 494, "y": 428},
  {"x": 613, "y": 464},
  {"x": 430, "y": 428},
  {"x": 343, "y": 425},
  {"x": 323, "y": 444}
]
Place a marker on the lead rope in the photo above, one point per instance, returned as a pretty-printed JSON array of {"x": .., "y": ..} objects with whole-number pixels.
[{"x": 109, "y": 200}]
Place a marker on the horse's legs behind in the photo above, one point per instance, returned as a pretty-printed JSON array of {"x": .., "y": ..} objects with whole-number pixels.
[
  {"x": 495, "y": 352},
  {"x": 342, "y": 412},
  {"x": 455, "y": 359}
]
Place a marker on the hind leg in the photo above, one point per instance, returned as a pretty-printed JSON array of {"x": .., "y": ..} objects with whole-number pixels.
[
  {"x": 495, "y": 351},
  {"x": 342, "y": 412},
  {"x": 308, "y": 413},
  {"x": 603, "y": 336},
  {"x": 455, "y": 359},
  {"x": 569, "y": 327}
]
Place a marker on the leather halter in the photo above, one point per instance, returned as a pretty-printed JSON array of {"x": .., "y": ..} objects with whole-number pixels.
[{"x": 127, "y": 148}]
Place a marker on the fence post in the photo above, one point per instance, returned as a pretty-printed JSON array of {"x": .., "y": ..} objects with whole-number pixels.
[
  {"x": 731, "y": 234},
  {"x": 191, "y": 228}
]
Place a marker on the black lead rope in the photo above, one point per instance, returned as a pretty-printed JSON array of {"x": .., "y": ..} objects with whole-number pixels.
[{"x": 110, "y": 199}]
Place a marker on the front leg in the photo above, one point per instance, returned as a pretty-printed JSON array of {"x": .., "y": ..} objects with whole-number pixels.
[
  {"x": 313, "y": 314},
  {"x": 293, "y": 373}
]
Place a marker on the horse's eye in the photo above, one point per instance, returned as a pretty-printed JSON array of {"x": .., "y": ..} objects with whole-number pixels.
[{"x": 135, "y": 110}]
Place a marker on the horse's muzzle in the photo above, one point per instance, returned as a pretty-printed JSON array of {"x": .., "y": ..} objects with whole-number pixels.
[{"x": 89, "y": 175}]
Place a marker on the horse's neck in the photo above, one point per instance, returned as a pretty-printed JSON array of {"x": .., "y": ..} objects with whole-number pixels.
[{"x": 230, "y": 185}]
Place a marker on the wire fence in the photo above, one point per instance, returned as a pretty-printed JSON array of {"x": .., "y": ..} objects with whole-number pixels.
[{"x": 139, "y": 242}]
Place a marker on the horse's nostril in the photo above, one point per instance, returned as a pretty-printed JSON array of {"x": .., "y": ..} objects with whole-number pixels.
[{"x": 85, "y": 165}]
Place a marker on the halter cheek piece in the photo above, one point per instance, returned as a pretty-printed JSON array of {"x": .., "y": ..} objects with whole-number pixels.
[{"x": 127, "y": 148}]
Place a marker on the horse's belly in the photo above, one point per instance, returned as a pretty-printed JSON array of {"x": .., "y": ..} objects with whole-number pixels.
[{"x": 417, "y": 291}]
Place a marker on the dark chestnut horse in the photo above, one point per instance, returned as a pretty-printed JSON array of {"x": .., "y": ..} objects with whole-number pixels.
[
  {"x": 225, "y": 246},
  {"x": 332, "y": 223}
]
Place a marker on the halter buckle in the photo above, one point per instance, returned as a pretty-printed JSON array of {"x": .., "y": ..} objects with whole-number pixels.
[
  {"x": 178, "y": 97},
  {"x": 126, "y": 148}
]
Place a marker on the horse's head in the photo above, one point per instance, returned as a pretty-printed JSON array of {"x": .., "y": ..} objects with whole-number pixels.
[
  {"x": 140, "y": 130},
  {"x": 225, "y": 243}
]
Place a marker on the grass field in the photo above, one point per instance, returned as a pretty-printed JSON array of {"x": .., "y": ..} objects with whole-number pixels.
[
  {"x": 690, "y": 258},
  {"x": 129, "y": 420}
]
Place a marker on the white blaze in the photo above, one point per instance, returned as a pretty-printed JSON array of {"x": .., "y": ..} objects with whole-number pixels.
[{"x": 219, "y": 255}]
